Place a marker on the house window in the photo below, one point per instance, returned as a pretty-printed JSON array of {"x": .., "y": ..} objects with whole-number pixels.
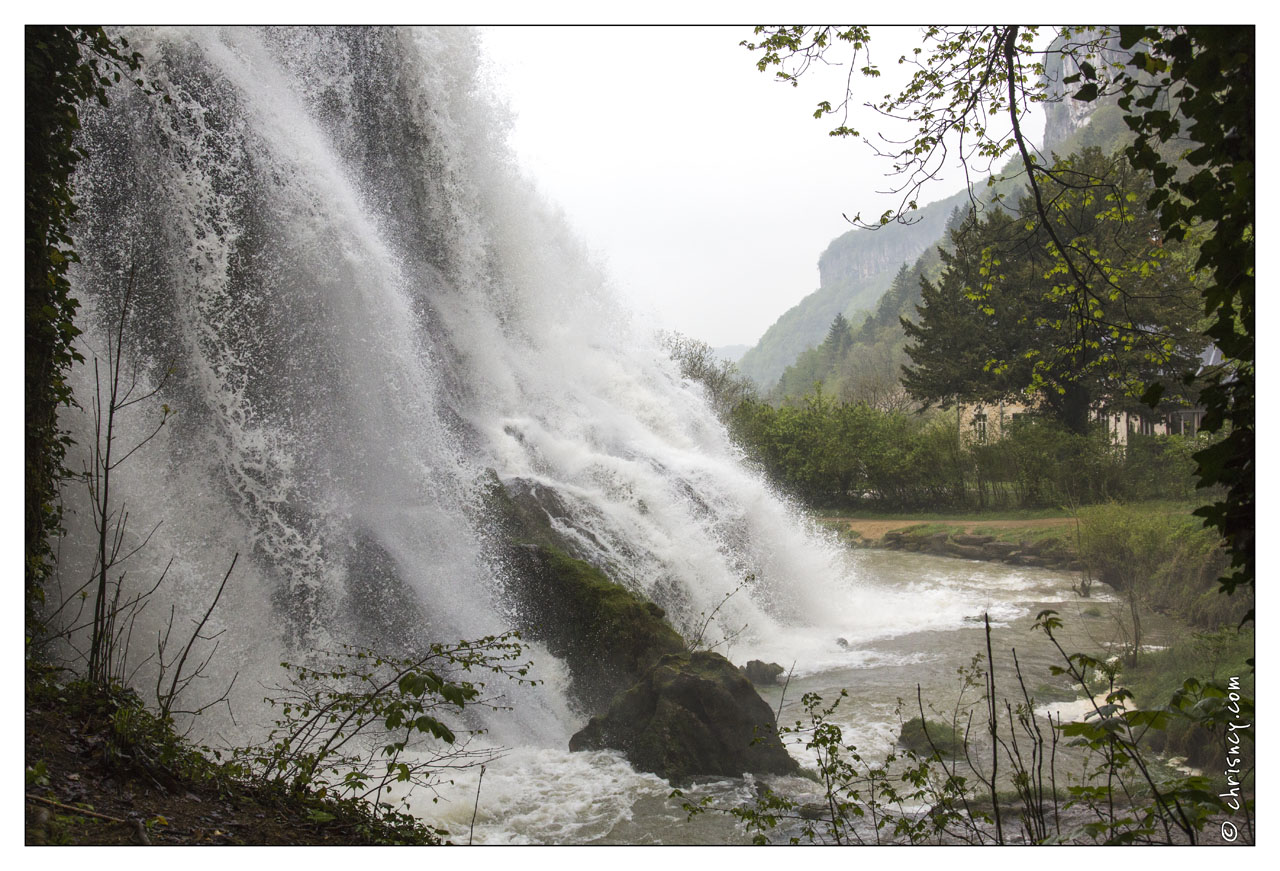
[{"x": 979, "y": 424}]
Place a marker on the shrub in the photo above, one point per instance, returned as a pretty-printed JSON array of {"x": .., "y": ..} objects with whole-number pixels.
[
  {"x": 361, "y": 724},
  {"x": 1165, "y": 560}
]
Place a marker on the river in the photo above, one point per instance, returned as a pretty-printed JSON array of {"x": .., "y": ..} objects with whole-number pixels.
[{"x": 546, "y": 795}]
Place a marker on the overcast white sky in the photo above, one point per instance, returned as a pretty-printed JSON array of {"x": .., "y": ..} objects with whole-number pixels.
[{"x": 706, "y": 187}]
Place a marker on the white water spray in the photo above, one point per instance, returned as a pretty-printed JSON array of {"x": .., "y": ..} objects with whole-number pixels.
[{"x": 364, "y": 307}]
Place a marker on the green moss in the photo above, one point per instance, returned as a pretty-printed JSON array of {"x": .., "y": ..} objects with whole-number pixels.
[
  {"x": 607, "y": 635},
  {"x": 522, "y": 521},
  {"x": 601, "y": 607}
]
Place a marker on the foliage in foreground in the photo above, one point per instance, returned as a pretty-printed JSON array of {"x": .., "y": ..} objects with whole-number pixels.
[
  {"x": 116, "y": 739},
  {"x": 1017, "y": 776},
  {"x": 352, "y": 729},
  {"x": 362, "y": 724},
  {"x": 1209, "y": 657}
]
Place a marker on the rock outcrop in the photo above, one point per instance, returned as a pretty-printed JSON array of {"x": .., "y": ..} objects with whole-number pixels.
[
  {"x": 607, "y": 635},
  {"x": 691, "y": 714},
  {"x": 926, "y": 738},
  {"x": 1051, "y": 553},
  {"x": 762, "y": 674}
]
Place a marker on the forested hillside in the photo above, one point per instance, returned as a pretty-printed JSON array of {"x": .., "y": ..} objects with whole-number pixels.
[
  {"x": 868, "y": 366},
  {"x": 872, "y": 277},
  {"x": 854, "y": 271}
]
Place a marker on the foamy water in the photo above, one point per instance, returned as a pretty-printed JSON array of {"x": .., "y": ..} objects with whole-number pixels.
[{"x": 355, "y": 306}]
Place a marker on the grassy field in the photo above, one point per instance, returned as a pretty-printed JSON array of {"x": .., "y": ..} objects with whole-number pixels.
[{"x": 1032, "y": 525}]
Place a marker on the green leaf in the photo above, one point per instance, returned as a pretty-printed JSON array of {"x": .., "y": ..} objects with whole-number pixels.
[
  {"x": 434, "y": 727},
  {"x": 1087, "y": 94}
]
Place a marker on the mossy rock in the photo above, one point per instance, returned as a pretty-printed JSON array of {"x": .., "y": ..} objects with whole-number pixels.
[
  {"x": 607, "y": 635},
  {"x": 522, "y": 512},
  {"x": 940, "y": 737},
  {"x": 691, "y": 714}
]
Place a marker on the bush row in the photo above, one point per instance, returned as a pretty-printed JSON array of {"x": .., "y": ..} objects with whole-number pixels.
[{"x": 833, "y": 455}]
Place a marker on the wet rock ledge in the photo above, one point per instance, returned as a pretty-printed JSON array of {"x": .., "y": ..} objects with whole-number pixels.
[{"x": 670, "y": 711}]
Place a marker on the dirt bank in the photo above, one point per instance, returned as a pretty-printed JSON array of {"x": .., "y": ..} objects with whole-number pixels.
[
  {"x": 872, "y": 530},
  {"x": 1043, "y": 542}
]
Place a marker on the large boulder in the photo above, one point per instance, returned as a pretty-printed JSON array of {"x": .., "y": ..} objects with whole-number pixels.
[
  {"x": 925, "y": 737},
  {"x": 691, "y": 714}
]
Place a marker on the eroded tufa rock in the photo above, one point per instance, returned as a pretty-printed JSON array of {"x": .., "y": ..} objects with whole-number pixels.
[
  {"x": 691, "y": 714},
  {"x": 760, "y": 673}
]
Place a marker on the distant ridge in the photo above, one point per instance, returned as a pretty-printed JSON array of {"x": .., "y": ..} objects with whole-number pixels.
[
  {"x": 731, "y": 353},
  {"x": 854, "y": 272}
]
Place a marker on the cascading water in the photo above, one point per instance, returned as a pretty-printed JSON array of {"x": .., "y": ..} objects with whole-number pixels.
[{"x": 361, "y": 306}]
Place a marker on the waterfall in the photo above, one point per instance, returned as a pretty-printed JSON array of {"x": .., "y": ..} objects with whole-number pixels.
[{"x": 354, "y": 304}]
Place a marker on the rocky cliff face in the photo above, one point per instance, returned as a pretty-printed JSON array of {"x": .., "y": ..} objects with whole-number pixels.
[
  {"x": 859, "y": 255},
  {"x": 855, "y": 271},
  {"x": 1065, "y": 116}
]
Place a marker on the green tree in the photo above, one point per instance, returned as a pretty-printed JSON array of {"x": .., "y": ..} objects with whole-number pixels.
[
  {"x": 1005, "y": 321},
  {"x": 839, "y": 338},
  {"x": 1191, "y": 86},
  {"x": 725, "y": 386},
  {"x": 817, "y": 364}
]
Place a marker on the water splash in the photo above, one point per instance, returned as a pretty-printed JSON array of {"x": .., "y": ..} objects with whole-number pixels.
[{"x": 364, "y": 306}]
